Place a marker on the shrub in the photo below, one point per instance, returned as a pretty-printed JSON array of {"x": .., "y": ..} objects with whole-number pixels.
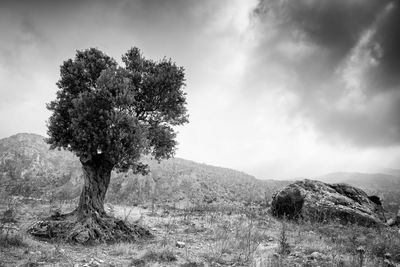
[
  {"x": 284, "y": 247},
  {"x": 384, "y": 243},
  {"x": 11, "y": 240},
  {"x": 192, "y": 264},
  {"x": 160, "y": 256}
]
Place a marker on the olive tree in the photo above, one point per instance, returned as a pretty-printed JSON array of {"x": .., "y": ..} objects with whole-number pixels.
[{"x": 110, "y": 116}]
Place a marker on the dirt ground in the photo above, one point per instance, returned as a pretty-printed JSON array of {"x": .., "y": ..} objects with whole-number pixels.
[{"x": 194, "y": 237}]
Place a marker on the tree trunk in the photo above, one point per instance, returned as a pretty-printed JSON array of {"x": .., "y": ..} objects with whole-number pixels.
[
  {"x": 89, "y": 223},
  {"x": 96, "y": 172}
]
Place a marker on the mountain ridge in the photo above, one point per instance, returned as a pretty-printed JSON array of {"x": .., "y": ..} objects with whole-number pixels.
[{"x": 28, "y": 167}]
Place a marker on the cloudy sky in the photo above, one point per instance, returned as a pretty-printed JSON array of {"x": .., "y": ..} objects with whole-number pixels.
[{"x": 275, "y": 88}]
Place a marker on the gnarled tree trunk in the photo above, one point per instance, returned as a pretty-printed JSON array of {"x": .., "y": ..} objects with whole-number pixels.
[
  {"x": 89, "y": 223},
  {"x": 96, "y": 174}
]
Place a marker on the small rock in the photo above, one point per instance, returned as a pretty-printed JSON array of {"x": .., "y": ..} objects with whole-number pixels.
[
  {"x": 360, "y": 250},
  {"x": 82, "y": 237},
  {"x": 296, "y": 254},
  {"x": 388, "y": 263},
  {"x": 93, "y": 263},
  {"x": 317, "y": 255},
  {"x": 391, "y": 222},
  {"x": 180, "y": 244},
  {"x": 270, "y": 239}
]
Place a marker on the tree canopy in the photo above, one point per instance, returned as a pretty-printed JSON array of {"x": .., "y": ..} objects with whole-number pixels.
[{"x": 118, "y": 112}]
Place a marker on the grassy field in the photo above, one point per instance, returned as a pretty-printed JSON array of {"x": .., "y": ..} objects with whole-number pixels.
[{"x": 200, "y": 236}]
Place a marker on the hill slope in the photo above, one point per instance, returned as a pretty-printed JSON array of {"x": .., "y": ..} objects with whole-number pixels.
[{"x": 29, "y": 168}]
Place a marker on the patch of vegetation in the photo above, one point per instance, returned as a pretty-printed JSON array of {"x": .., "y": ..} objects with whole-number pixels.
[
  {"x": 284, "y": 247},
  {"x": 192, "y": 264},
  {"x": 212, "y": 237},
  {"x": 162, "y": 256},
  {"x": 12, "y": 240},
  {"x": 138, "y": 263},
  {"x": 9, "y": 232}
]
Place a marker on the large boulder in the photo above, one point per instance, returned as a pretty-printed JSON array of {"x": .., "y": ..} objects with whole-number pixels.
[{"x": 318, "y": 201}]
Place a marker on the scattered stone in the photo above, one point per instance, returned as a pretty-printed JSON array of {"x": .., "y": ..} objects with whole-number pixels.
[
  {"x": 82, "y": 237},
  {"x": 93, "y": 263},
  {"x": 317, "y": 255},
  {"x": 388, "y": 263},
  {"x": 394, "y": 221},
  {"x": 180, "y": 244},
  {"x": 391, "y": 222},
  {"x": 360, "y": 250},
  {"x": 296, "y": 254},
  {"x": 270, "y": 239}
]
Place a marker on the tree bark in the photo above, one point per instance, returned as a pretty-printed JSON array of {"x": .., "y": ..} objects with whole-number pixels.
[
  {"x": 89, "y": 223},
  {"x": 96, "y": 172}
]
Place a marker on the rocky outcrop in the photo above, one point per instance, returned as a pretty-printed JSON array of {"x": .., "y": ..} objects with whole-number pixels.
[{"x": 318, "y": 201}]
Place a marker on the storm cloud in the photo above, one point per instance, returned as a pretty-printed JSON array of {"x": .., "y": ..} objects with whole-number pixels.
[
  {"x": 276, "y": 88},
  {"x": 341, "y": 61}
]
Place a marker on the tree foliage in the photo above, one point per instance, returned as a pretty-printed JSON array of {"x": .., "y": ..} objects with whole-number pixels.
[{"x": 118, "y": 112}]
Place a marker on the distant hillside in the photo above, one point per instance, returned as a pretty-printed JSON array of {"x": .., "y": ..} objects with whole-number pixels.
[
  {"x": 29, "y": 168},
  {"x": 385, "y": 185},
  {"x": 394, "y": 172}
]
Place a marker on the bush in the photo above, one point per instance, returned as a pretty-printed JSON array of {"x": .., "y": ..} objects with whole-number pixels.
[
  {"x": 192, "y": 264},
  {"x": 284, "y": 247},
  {"x": 160, "y": 256},
  {"x": 12, "y": 240},
  {"x": 384, "y": 243}
]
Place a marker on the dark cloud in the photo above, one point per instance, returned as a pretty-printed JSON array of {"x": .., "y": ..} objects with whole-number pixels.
[
  {"x": 386, "y": 75},
  {"x": 343, "y": 60}
]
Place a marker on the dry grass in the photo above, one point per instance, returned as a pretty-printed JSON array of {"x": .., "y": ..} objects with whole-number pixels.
[{"x": 212, "y": 236}]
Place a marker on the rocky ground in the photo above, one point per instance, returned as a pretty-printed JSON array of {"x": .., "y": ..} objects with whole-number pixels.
[{"x": 202, "y": 236}]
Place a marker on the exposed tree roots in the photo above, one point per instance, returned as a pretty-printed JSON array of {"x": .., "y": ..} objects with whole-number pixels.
[{"x": 88, "y": 229}]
